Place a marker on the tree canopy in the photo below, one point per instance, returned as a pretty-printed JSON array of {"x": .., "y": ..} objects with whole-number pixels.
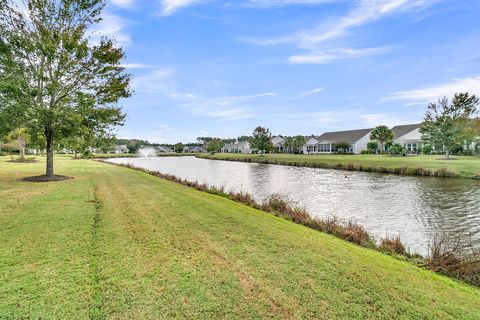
[
  {"x": 382, "y": 134},
  {"x": 448, "y": 124},
  {"x": 262, "y": 139},
  {"x": 56, "y": 79}
]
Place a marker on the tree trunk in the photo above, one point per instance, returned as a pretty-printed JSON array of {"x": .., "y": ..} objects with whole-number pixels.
[
  {"x": 21, "y": 145},
  {"x": 447, "y": 153},
  {"x": 49, "y": 138}
]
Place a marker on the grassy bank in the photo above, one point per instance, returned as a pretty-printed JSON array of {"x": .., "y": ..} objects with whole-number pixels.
[
  {"x": 118, "y": 243},
  {"x": 423, "y": 165}
]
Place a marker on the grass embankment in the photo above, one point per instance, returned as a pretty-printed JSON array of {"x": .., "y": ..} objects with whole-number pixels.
[
  {"x": 423, "y": 165},
  {"x": 118, "y": 243}
]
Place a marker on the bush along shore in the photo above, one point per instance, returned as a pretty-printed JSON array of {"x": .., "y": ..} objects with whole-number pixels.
[
  {"x": 449, "y": 255},
  {"x": 350, "y": 166}
]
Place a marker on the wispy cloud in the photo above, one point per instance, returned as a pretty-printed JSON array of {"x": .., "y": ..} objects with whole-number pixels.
[
  {"x": 123, "y": 3},
  {"x": 330, "y": 55},
  {"x": 319, "y": 42},
  {"x": 136, "y": 65},
  {"x": 154, "y": 82},
  {"x": 223, "y": 108},
  {"x": 426, "y": 94},
  {"x": 112, "y": 26},
  {"x": 271, "y": 3},
  {"x": 171, "y": 6},
  {"x": 312, "y": 92}
]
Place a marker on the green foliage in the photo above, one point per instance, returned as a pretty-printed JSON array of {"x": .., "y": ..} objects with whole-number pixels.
[
  {"x": 397, "y": 149},
  {"x": 295, "y": 144},
  {"x": 262, "y": 140},
  {"x": 382, "y": 134},
  {"x": 214, "y": 145},
  {"x": 427, "y": 149},
  {"x": 179, "y": 147},
  {"x": 22, "y": 137},
  {"x": 54, "y": 81},
  {"x": 343, "y": 146},
  {"x": 372, "y": 146},
  {"x": 448, "y": 125}
]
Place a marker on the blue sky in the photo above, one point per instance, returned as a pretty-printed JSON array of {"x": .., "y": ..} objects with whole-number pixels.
[{"x": 220, "y": 68}]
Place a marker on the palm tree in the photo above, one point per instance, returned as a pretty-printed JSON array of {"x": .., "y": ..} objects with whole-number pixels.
[{"x": 382, "y": 134}]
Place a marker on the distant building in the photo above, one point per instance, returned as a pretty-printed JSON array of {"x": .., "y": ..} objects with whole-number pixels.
[
  {"x": 326, "y": 143},
  {"x": 279, "y": 144},
  {"x": 195, "y": 149},
  {"x": 164, "y": 149},
  {"x": 120, "y": 149},
  {"x": 237, "y": 147},
  {"x": 408, "y": 136}
]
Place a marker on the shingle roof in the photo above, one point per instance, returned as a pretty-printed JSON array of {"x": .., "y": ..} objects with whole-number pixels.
[
  {"x": 351, "y": 136},
  {"x": 399, "y": 131}
]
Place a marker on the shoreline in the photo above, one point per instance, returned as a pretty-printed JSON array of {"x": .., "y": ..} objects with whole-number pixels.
[
  {"x": 348, "y": 231},
  {"x": 345, "y": 164}
]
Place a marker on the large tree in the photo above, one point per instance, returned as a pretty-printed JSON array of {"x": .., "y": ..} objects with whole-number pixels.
[
  {"x": 214, "y": 145},
  {"x": 262, "y": 139},
  {"x": 448, "y": 125},
  {"x": 382, "y": 134},
  {"x": 55, "y": 76}
]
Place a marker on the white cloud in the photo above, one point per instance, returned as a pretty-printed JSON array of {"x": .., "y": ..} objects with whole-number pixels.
[
  {"x": 319, "y": 42},
  {"x": 154, "y": 82},
  {"x": 375, "y": 119},
  {"x": 171, "y": 6},
  {"x": 136, "y": 65},
  {"x": 222, "y": 108},
  {"x": 426, "y": 94},
  {"x": 112, "y": 26},
  {"x": 312, "y": 92},
  {"x": 123, "y": 3},
  {"x": 270, "y": 3},
  {"x": 335, "y": 54}
]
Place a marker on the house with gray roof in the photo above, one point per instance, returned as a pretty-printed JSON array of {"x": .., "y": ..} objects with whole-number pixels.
[
  {"x": 408, "y": 136},
  {"x": 164, "y": 149},
  {"x": 279, "y": 143},
  {"x": 327, "y": 142},
  {"x": 237, "y": 147}
]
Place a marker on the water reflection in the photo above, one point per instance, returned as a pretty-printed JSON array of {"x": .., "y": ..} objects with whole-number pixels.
[{"x": 412, "y": 207}]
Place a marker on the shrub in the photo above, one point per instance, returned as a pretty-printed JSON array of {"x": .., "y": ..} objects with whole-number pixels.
[
  {"x": 397, "y": 149},
  {"x": 367, "y": 152},
  {"x": 372, "y": 146},
  {"x": 452, "y": 255},
  {"x": 392, "y": 245}
]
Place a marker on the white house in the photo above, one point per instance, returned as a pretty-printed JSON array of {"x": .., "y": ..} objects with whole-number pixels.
[
  {"x": 195, "y": 149},
  {"x": 326, "y": 143},
  {"x": 164, "y": 149},
  {"x": 120, "y": 149},
  {"x": 237, "y": 147},
  {"x": 408, "y": 136},
  {"x": 279, "y": 143}
]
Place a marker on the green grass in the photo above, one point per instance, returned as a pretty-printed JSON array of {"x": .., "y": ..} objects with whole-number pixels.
[
  {"x": 466, "y": 167},
  {"x": 116, "y": 243}
]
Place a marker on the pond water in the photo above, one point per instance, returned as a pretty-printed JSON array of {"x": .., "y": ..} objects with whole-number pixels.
[{"x": 415, "y": 208}]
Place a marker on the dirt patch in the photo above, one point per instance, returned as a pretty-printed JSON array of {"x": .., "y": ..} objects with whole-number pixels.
[
  {"x": 45, "y": 178},
  {"x": 23, "y": 161}
]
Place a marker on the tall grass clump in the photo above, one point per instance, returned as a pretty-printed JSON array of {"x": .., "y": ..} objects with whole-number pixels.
[{"x": 454, "y": 256}]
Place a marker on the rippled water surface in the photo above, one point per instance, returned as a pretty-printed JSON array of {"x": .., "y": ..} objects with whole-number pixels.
[{"x": 412, "y": 207}]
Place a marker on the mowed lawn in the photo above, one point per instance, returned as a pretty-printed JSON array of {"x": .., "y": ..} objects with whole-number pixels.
[
  {"x": 468, "y": 167},
  {"x": 115, "y": 243}
]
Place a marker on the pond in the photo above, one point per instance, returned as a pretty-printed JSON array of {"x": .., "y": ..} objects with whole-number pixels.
[{"x": 416, "y": 208}]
